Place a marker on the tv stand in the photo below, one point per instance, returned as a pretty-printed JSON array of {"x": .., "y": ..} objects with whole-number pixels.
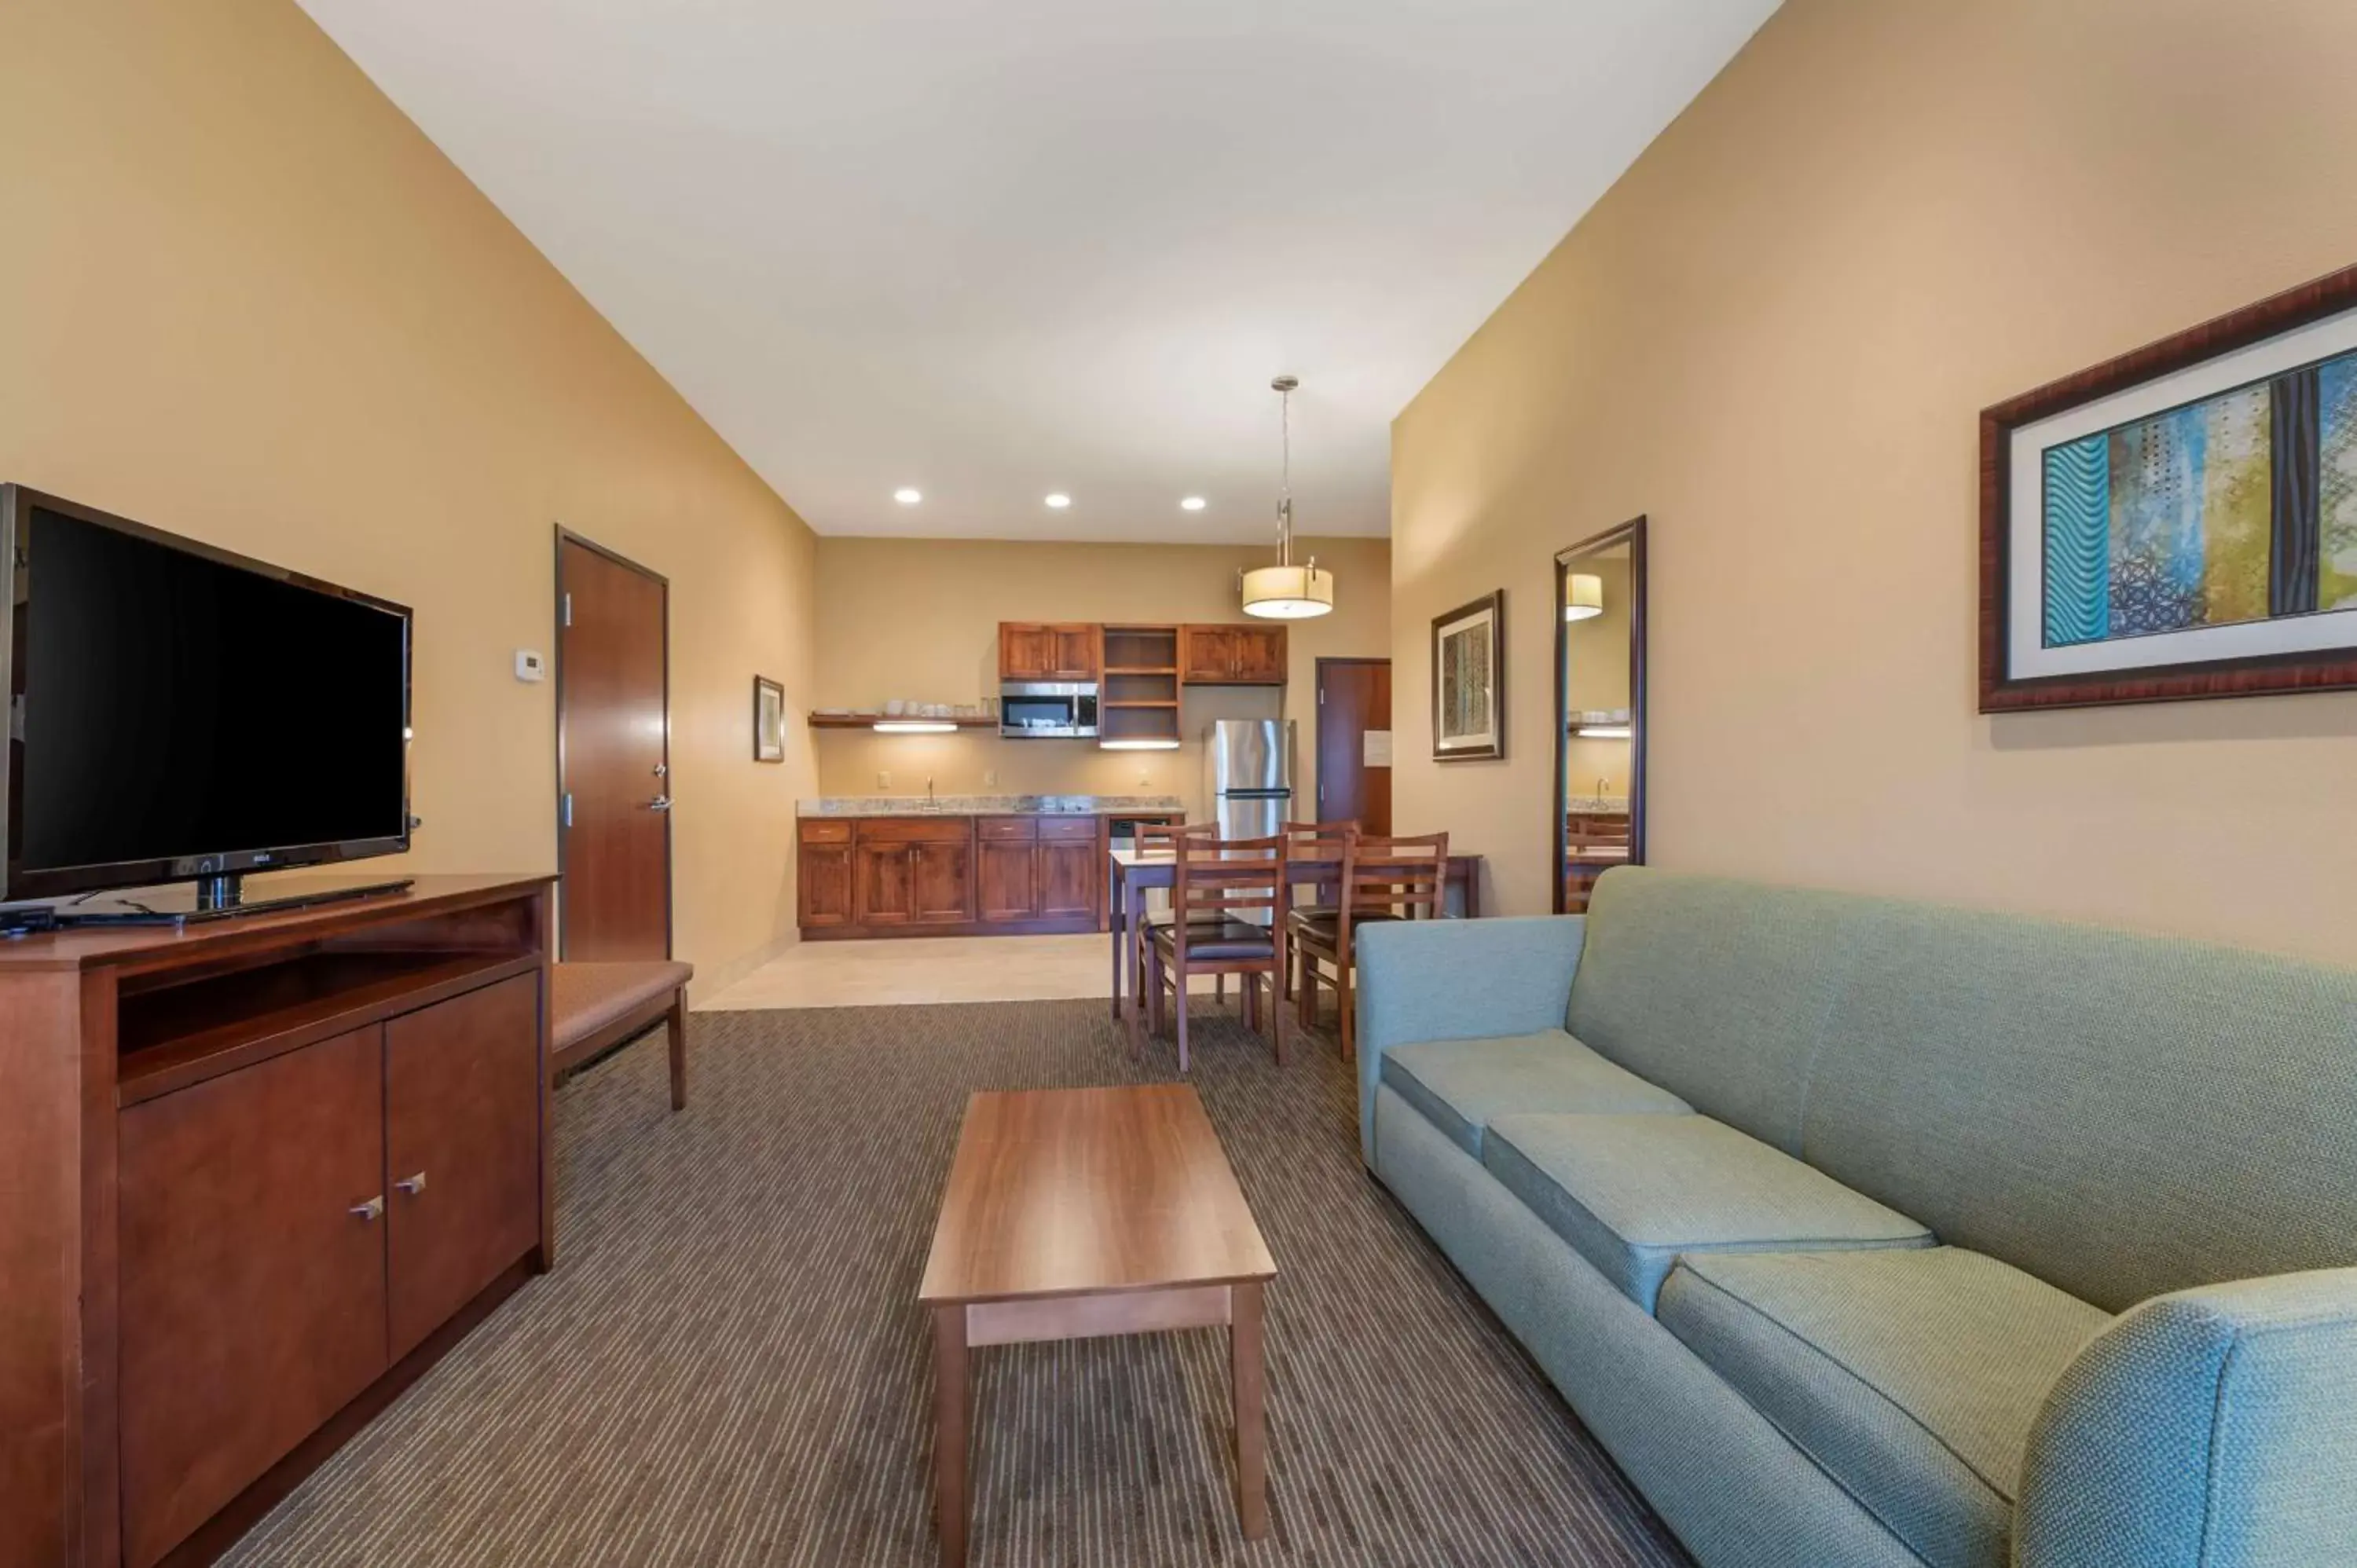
[
  {"x": 217, "y": 897},
  {"x": 256, "y": 1176}
]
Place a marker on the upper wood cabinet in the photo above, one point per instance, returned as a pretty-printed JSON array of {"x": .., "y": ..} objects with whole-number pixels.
[
  {"x": 1231, "y": 655},
  {"x": 1050, "y": 651}
]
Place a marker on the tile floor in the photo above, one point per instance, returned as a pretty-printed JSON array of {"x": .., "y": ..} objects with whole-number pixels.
[{"x": 903, "y": 970}]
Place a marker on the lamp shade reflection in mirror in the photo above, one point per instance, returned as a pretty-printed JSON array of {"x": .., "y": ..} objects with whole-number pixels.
[{"x": 1599, "y": 730}]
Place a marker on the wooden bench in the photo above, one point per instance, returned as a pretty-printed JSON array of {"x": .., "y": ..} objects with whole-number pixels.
[{"x": 594, "y": 1007}]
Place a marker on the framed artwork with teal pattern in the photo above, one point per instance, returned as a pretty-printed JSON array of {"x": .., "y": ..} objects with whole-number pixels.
[{"x": 2180, "y": 521}]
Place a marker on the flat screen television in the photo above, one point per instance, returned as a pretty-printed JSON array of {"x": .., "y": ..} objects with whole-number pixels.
[{"x": 177, "y": 712}]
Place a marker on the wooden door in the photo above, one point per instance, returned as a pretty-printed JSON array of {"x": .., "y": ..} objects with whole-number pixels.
[
  {"x": 1354, "y": 696},
  {"x": 1071, "y": 869},
  {"x": 1258, "y": 654},
  {"x": 613, "y": 756},
  {"x": 462, "y": 1094},
  {"x": 941, "y": 882},
  {"x": 882, "y": 892},
  {"x": 252, "y": 1276},
  {"x": 1207, "y": 655},
  {"x": 1077, "y": 652},
  {"x": 823, "y": 878},
  {"x": 1006, "y": 886},
  {"x": 1026, "y": 652}
]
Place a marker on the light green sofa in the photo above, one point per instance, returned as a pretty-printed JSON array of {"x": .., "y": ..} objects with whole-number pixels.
[{"x": 1865, "y": 1232}]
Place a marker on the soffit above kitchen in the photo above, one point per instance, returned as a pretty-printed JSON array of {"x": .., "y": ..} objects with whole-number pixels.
[{"x": 991, "y": 253}]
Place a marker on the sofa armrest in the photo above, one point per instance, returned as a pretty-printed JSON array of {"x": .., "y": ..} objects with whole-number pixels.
[
  {"x": 1457, "y": 980},
  {"x": 2211, "y": 1428}
]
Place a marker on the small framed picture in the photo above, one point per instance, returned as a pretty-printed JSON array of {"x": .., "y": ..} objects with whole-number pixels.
[
  {"x": 1469, "y": 681},
  {"x": 769, "y": 720}
]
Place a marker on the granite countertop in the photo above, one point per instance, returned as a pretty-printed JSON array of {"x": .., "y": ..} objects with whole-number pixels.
[
  {"x": 984, "y": 805},
  {"x": 1597, "y": 804}
]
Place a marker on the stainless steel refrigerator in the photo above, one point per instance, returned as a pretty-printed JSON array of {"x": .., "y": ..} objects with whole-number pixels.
[{"x": 1248, "y": 776}]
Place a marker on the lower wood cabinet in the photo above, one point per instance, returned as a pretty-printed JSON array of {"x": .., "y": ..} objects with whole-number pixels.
[
  {"x": 825, "y": 877},
  {"x": 1071, "y": 872},
  {"x": 290, "y": 1230},
  {"x": 252, "y": 1276},
  {"x": 462, "y": 1152},
  {"x": 883, "y": 876},
  {"x": 913, "y": 872}
]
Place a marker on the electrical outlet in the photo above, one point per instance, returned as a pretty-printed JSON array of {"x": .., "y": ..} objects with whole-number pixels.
[
  {"x": 990, "y": 777},
  {"x": 883, "y": 780}
]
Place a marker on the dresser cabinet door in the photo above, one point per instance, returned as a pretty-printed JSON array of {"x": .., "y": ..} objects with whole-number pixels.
[
  {"x": 462, "y": 1144},
  {"x": 252, "y": 1276}
]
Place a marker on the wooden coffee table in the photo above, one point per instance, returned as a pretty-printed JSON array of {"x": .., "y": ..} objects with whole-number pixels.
[{"x": 1076, "y": 1212}]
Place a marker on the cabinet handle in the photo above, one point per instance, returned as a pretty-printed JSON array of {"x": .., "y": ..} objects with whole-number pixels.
[
  {"x": 414, "y": 1185},
  {"x": 372, "y": 1210}
]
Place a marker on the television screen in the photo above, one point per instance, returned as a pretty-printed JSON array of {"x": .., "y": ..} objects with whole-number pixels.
[{"x": 174, "y": 705}]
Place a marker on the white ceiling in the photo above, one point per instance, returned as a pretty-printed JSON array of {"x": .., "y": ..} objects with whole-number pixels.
[{"x": 996, "y": 250}]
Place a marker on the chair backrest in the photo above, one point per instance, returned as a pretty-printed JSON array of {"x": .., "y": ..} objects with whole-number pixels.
[
  {"x": 1406, "y": 878},
  {"x": 1230, "y": 877},
  {"x": 1156, "y": 838}
]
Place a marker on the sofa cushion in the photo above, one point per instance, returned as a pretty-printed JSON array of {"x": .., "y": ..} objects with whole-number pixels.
[
  {"x": 1631, "y": 1193},
  {"x": 2121, "y": 1115},
  {"x": 1716, "y": 989},
  {"x": 1909, "y": 1377},
  {"x": 1460, "y": 1085}
]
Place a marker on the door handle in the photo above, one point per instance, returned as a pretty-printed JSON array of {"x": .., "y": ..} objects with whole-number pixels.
[
  {"x": 660, "y": 803},
  {"x": 373, "y": 1208},
  {"x": 414, "y": 1185}
]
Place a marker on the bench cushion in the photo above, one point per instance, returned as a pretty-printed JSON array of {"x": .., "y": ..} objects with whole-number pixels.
[
  {"x": 584, "y": 998},
  {"x": 1631, "y": 1193},
  {"x": 1460, "y": 1085},
  {"x": 1909, "y": 1377}
]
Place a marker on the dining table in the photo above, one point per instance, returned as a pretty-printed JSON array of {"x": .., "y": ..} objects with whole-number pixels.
[{"x": 1136, "y": 872}]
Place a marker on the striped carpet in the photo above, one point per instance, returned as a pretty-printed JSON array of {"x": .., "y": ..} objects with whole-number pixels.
[{"x": 729, "y": 1367}]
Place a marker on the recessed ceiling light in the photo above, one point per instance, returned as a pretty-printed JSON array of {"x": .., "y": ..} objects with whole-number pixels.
[
  {"x": 908, "y": 495},
  {"x": 1060, "y": 501},
  {"x": 1193, "y": 503}
]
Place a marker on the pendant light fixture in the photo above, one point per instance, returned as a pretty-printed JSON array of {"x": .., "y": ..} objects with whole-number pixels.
[{"x": 1284, "y": 591}]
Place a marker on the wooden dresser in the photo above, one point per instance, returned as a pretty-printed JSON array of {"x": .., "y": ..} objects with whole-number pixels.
[{"x": 255, "y": 1175}]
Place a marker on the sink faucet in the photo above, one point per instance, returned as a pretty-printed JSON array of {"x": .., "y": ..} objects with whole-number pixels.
[
  {"x": 930, "y": 804},
  {"x": 1603, "y": 788}
]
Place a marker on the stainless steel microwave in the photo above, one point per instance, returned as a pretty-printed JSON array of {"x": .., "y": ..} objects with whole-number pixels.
[{"x": 1048, "y": 710}]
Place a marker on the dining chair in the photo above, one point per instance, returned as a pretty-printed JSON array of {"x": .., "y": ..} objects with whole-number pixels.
[
  {"x": 1215, "y": 885},
  {"x": 1158, "y": 838},
  {"x": 1318, "y": 845},
  {"x": 1585, "y": 833},
  {"x": 1399, "y": 878}
]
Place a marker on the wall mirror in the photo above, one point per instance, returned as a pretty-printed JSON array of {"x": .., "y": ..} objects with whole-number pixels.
[{"x": 1600, "y": 717}]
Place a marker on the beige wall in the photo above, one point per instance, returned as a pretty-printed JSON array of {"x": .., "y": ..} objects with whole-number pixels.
[
  {"x": 1772, "y": 337},
  {"x": 918, "y": 619},
  {"x": 246, "y": 300}
]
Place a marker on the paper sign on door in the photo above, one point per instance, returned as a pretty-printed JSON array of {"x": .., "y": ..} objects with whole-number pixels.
[{"x": 1378, "y": 750}]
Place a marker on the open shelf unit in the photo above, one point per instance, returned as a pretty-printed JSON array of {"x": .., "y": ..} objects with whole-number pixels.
[{"x": 1139, "y": 699}]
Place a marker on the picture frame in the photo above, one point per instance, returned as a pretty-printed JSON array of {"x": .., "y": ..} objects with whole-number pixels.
[
  {"x": 1469, "y": 681},
  {"x": 2179, "y": 522},
  {"x": 769, "y": 720}
]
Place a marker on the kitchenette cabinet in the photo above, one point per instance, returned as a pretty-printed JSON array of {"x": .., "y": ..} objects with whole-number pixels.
[
  {"x": 1248, "y": 655},
  {"x": 956, "y": 873},
  {"x": 1031, "y": 650}
]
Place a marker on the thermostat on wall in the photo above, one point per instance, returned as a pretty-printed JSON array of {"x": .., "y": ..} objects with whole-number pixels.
[{"x": 530, "y": 666}]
